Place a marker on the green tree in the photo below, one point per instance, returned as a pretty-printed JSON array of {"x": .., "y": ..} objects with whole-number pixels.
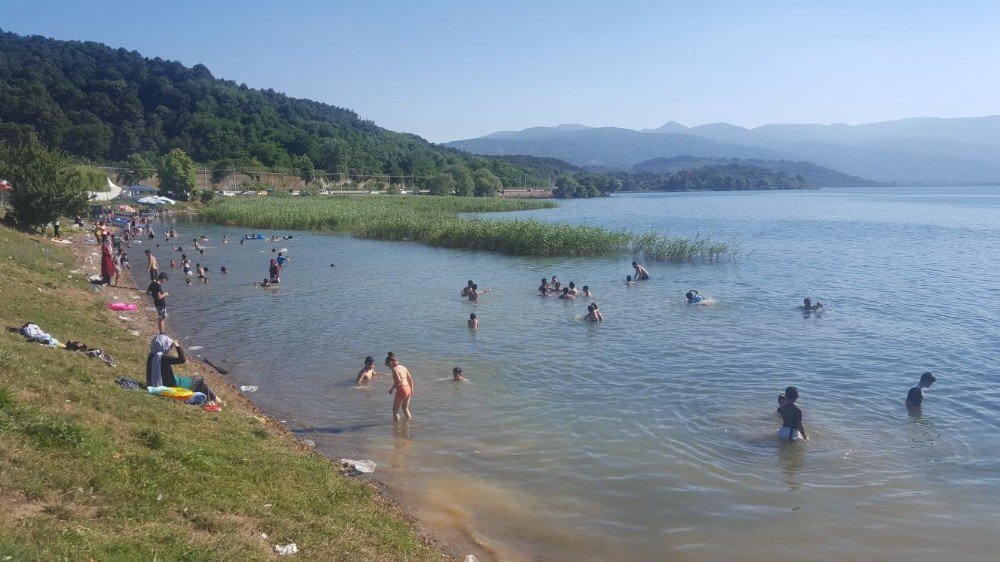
[
  {"x": 45, "y": 187},
  {"x": 177, "y": 175},
  {"x": 567, "y": 187},
  {"x": 486, "y": 183},
  {"x": 442, "y": 184},
  {"x": 138, "y": 168},
  {"x": 464, "y": 185}
]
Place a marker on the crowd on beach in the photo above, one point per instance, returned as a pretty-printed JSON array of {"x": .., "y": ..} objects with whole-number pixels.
[{"x": 160, "y": 361}]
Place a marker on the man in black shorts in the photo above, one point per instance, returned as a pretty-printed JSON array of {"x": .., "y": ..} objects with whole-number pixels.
[{"x": 155, "y": 290}]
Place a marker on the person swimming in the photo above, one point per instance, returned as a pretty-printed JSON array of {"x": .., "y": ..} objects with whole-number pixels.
[
  {"x": 566, "y": 294},
  {"x": 915, "y": 397},
  {"x": 640, "y": 272},
  {"x": 807, "y": 304},
  {"x": 791, "y": 417},
  {"x": 586, "y": 291},
  {"x": 467, "y": 289},
  {"x": 473, "y": 322},
  {"x": 456, "y": 375},
  {"x": 367, "y": 373},
  {"x": 543, "y": 289},
  {"x": 554, "y": 285},
  {"x": 628, "y": 280},
  {"x": 693, "y": 297},
  {"x": 572, "y": 289},
  {"x": 475, "y": 293},
  {"x": 593, "y": 313}
]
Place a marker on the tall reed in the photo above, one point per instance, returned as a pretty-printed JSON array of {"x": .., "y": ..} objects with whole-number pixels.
[{"x": 435, "y": 221}]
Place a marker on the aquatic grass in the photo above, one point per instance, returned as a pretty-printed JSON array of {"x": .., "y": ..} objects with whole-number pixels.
[{"x": 435, "y": 221}]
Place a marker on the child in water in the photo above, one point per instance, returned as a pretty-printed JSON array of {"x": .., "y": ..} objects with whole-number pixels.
[
  {"x": 586, "y": 291},
  {"x": 628, "y": 280},
  {"x": 473, "y": 322},
  {"x": 456, "y": 375},
  {"x": 915, "y": 397},
  {"x": 367, "y": 373},
  {"x": 791, "y": 418}
]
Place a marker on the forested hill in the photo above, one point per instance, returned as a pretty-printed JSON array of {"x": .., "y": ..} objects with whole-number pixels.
[
  {"x": 815, "y": 176},
  {"x": 105, "y": 104}
]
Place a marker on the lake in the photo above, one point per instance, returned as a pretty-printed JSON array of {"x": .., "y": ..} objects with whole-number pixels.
[{"x": 650, "y": 436}]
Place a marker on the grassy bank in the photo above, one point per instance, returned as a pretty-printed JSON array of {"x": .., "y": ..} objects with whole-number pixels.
[
  {"x": 91, "y": 471},
  {"x": 435, "y": 221}
]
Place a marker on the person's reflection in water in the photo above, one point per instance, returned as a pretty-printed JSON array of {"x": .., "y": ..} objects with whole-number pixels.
[
  {"x": 791, "y": 458},
  {"x": 402, "y": 443}
]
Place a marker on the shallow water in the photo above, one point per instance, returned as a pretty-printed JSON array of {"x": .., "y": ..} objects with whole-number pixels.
[{"x": 651, "y": 436}]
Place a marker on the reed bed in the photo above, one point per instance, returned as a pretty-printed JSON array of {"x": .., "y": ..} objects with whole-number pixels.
[{"x": 435, "y": 221}]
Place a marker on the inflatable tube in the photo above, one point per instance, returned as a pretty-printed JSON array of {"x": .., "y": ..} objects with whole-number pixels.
[
  {"x": 122, "y": 307},
  {"x": 178, "y": 393},
  {"x": 261, "y": 237}
]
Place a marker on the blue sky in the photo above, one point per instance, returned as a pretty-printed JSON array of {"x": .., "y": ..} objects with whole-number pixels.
[{"x": 448, "y": 70}]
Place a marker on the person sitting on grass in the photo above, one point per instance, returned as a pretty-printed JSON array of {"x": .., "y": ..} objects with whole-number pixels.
[{"x": 160, "y": 368}]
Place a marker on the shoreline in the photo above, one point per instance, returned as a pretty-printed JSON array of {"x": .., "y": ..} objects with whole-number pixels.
[
  {"x": 381, "y": 531},
  {"x": 146, "y": 321}
]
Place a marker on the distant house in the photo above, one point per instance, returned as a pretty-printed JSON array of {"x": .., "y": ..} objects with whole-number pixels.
[{"x": 136, "y": 191}]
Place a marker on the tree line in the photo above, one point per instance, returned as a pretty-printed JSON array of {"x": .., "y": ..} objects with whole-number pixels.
[{"x": 117, "y": 107}]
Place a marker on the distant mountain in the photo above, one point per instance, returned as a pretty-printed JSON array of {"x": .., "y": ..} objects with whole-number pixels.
[
  {"x": 607, "y": 147},
  {"x": 918, "y": 150},
  {"x": 815, "y": 176}
]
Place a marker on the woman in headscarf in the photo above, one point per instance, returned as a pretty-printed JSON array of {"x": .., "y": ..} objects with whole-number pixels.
[
  {"x": 160, "y": 368},
  {"x": 107, "y": 261},
  {"x": 275, "y": 271}
]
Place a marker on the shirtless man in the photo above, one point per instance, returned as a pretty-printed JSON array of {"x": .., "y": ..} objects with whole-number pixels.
[
  {"x": 475, "y": 293},
  {"x": 467, "y": 289},
  {"x": 640, "y": 272},
  {"x": 402, "y": 385},
  {"x": 152, "y": 266},
  {"x": 367, "y": 373}
]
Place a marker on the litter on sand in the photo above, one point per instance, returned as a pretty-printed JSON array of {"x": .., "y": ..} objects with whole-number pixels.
[
  {"x": 283, "y": 549},
  {"x": 248, "y": 388},
  {"x": 363, "y": 467},
  {"x": 309, "y": 442}
]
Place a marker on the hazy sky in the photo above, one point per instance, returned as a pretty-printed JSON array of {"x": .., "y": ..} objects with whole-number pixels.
[{"x": 456, "y": 69}]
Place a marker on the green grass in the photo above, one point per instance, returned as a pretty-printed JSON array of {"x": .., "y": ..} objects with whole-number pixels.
[
  {"x": 91, "y": 471},
  {"x": 435, "y": 221}
]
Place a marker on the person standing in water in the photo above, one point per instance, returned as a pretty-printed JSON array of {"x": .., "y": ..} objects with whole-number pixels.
[
  {"x": 475, "y": 293},
  {"x": 915, "y": 397},
  {"x": 152, "y": 266},
  {"x": 473, "y": 322},
  {"x": 402, "y": 385},
  {"x": 456, "y": 375},
  {"x": 807, "y": 304},
  {"x": 467, "y": 289},
  {"x": 640, "y": 272},
  {"x": 791, "y": 417}
]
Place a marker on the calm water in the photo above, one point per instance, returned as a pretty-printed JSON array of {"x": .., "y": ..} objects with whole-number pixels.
[{"x": 650, "y": 437}]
